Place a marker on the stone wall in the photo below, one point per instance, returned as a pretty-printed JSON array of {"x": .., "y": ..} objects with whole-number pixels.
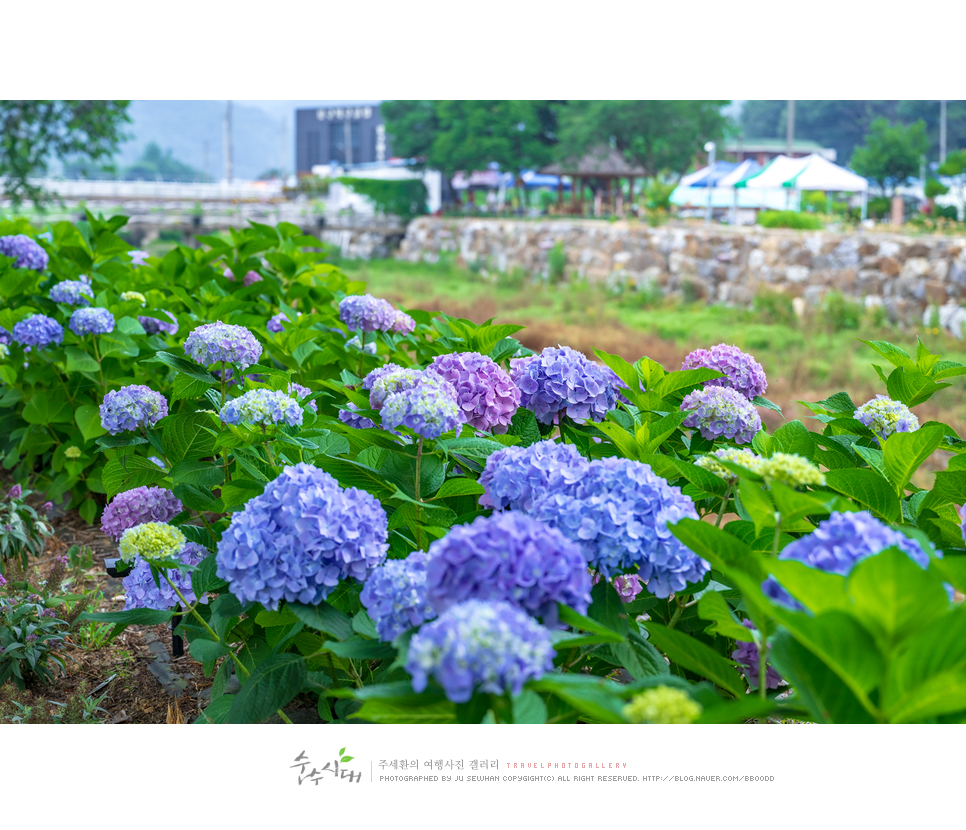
[{"x": 905, "y": 274}]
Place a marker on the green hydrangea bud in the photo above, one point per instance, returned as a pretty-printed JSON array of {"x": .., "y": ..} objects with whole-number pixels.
[
  {"x": 151, "y": 541},
  {"x": 72, "y": 452},
  {"x": 134, "y": 295},
  {"x": 791, "y": 470},
  {"x": 733, "y": 455},
  {"x": 662, "y": 704}
]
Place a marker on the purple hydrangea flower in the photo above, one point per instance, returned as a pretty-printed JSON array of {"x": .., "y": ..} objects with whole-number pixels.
[
  {"x": 137, "y": 506},
  {"x": 5, "y": 336},
  {"x": 721, "y": 412},
  {"x": 138, "y": 257},
  {"x": 515, "y": 477},
  {"x": 348, "y": 416},
  {"x": 227, "y": 274},
  {"x": 363, "y": 312},
  {"x": 72, "y": 292},
  {"x": 741, "y": 371},
  {"x": 838, "y": 543},
  {"x": 299, "y": 538},
  {"x": 479, "y": 644},
  {"x": 274, "y": 323},
  {"x": 152, "y": 325},
  {"x": 217, "y": 342},
  {"x": 404, "y": 324},
  {"x": 395, "y": 596},
  {"x": 619, "y": 513},
  {"x": 388, "y": 383},
  {"x": 91, "y": 321},
  {"x": 628, "y": 586},
  {"x": 27, "y": 252},
  {"x": 509, "y": 557},
  {"x": 560, "y": 381},
  {"x": 251, "y": 278},
  {"x": 38, "y": 331},
  {"x": 262, "y": 406},
  {"x": 14, "y": 492},
  {"x": 300, "y": 392},
  {"x": 142, "y": 592},
  {"x": 377, "y": 374},
  {"x": 131, "y": 407},
  {"x": 886, "y": 417},
  {"x": 485, "y": 393},
  {"x": 427, "y": 409},
  {"x": 747, "y": 655}
]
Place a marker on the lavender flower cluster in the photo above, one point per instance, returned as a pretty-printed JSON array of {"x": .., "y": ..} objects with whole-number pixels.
[
  {"x": 426, "y": 409},
  {"x": 721, "y": 412},
  {"x": 363, "y": 312},
  {"x": 403, "y": 324},
  {"x": 216, "y": 342},
  {"x": 509, "y": 557},
  {"x": 517, "y": 477},
  {"x": 299, "y": 538},
  {"x": 485, "y": 393},
  {"x": 838, "y": 543},
  {"x": 142, "y": 592},
  {"x": 152, "y": 325},
  {"x": 560, "y": 381},
  {"x": 262, "y": 406},
  {"x": 741, "y": 371},
  {"x": 395, "y": 596},
  {"x": 250, "y": 278},
  {"x": 72, "y": 292},
  {"x": 91, "y": 321},
  {"x": 137, "y": 506},
  {"x": 349, "y": 416},
  {"x": 131, "y": 407},
  {"x": 886, "y": 417},
  {"x": 38, "y": 331},
  {"x": 486, "y": 645},
  {"x": 747, "y": 655},
  {"x": 274, "y": 323},
  {"x": 27, "y": 252},
  {"x": 300, "y": 392}
]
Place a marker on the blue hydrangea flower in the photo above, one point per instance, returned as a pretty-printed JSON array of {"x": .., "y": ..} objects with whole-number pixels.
[
  {"x": 152, "y": 325},
  {"x": 363, "y": 312},
  {"x": 142, "y": 592},
  {"x": 274, "y": 323},
  {"x": 515, "y": 477},
  {"x": 91, "y": 321},
  {"x": 5, "y": 336},
  {"x": 262, "y": 406},
  {"x": 131, "y": 407},
  {"x": 619, "y": 513},
  {"x": 838, "y": 543},
  {"x": 27, "y": 252},
  {"x": 485, "y": 393},
  {"x": 377, "y": 374},
  {"x": 389, "y": 383},
  {"x": 427, "y": 409},
  {"x": 300, "y": 392},
  {"x": 72, "y": 292},
  {"x": 741, "y": 371},
  {"x": 479, "y": 644},
  {"x": 560, "y": 381},
  {"x": 721, "y": 412},
  {"x": 137, "y": 506},
  {"x": 349, "y": 416},
  {"x": 217, "y": 342},
  {"x": 38, "y": 331},
  {"x": 395, "y": 596},
  {"x": 510, "y": 557},
  {"x": 299, "y": 538},
  {"x": 886, "y": 417}
]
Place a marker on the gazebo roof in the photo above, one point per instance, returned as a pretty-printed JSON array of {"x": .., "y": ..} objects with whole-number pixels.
[{"x": 604, "y": 161}]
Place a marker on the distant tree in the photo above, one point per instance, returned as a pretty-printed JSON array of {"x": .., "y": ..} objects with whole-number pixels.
[
  {"x": 955, "y": 168},
  {"x": 891, "y": 154},
  {"x": 657, "y": 135},
  {"x": 33, "y": 133},
  {"x": 411, "y": 127},
  {"x": 157, "y": 164},
  {"x": 271, "y": 173}
]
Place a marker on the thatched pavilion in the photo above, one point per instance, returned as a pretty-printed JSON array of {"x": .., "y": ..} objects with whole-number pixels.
[{"x": 606, "y": 164}]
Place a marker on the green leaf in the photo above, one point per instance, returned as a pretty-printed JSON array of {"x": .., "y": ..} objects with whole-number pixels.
[
  {"x": 459, "y": 487},
  {"x": 188, "y": 436},
  {"x": 949, "y": 488},
  {"x": 183, "y": 366},
  {"x": 323, "y": 617},
  {"x": 271, "y": 685},
  {"x": 694, "y": 655},
  {"x": 939, "y": 695},
  {"x": 188, "y": 388},
  {"x": 80, "y": 361},
  {"x": 608, "y": 608},
  {"x": 794, "y": 437},
  {"x": 46, "y": 409},
  {"x": 758, "y": 504},
  {"x": 678, "y": 382},
  {"x": 758, "y": 400},
  {"x": 128, "y": 472},
  {"x": 198, "y": 473},
  {"x": 528, "y": 707},
  {"x": 895, "y": 355},
  {"x": 817, "y": 590},
  {"x": 206, "y": 651},
  {"x": 903, "y": 452},
  {"x": 869, "y": 489},
  {"x": 595, "y": 697},
  {"x": 713, "y": 606},
  {"x": 578, "y": 621},
  {"x": 88, "y": 418},
  {"x": 357, "y": 648},
  {"x": 912, "y": 387},
  {"x": 524, "y": 425},
  {"x": 377, "y": 710},
  {"x": 938, "y": 647},
  {"x": 204, "y": 577},
  {"x": 135, "y": 616}
]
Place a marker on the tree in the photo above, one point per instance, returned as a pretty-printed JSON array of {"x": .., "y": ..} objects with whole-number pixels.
[
  {"x": 32, "y": 133},
  {"x": 657, "y": 135},
  {"x": 157, "y": 164},
  {"x": 411, "y": 127},
  {"x": 891, "y": 154},
  {"x": 955, "y": 168}
]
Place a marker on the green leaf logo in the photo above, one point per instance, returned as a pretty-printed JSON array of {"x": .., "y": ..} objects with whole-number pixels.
[{"x": 343, "y": 757}]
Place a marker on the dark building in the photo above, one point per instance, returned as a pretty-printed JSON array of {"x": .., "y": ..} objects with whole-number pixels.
[{"x": 347, "y": 135}]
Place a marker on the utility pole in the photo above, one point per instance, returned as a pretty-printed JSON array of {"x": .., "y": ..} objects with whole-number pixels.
[
  {"x": 942, "y": 132},
  {"x": 790, "y": 128},
  {"x": 207, "y": 167},
  {"x": 281, "y": 168},
  {"x": 227, "y": 140},
  {"x": 347, "y": 132}
]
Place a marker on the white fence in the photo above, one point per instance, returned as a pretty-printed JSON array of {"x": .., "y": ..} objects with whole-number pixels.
[{"x": 161, "y": 191}]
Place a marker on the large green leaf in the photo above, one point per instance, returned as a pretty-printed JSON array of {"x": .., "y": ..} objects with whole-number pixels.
[
  {"x": 816, "y": 590},
  {"x": 378, "y": 710},
  {"x": 938, "y": 647},
  {"x": 134, "y": 616},
  {"x": 694, "y": 655},
  {"x": 941, "y": 694},
  {"x": 713, "y": 606},
  {"x": 80, "y": 361},
  {"x": 188, "y": 436},
  {"x": 794, "y": 437},
  {"x": 323, "y": 617},
  {"x": 271, "y": 685},
  {"x": 128, "y": 472},
  {"x": 594, "y": 697},
  {"x": 45, "y": 408},
  {"x": 869, "y": 489},
  {"x": 903, "y": 452},
  {"x": 88, "y": 418}
]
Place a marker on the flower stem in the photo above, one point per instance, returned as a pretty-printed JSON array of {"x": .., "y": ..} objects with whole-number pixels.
[
  {"x": 762, "y": 666},
  {"x": 724, "y": 504}
]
